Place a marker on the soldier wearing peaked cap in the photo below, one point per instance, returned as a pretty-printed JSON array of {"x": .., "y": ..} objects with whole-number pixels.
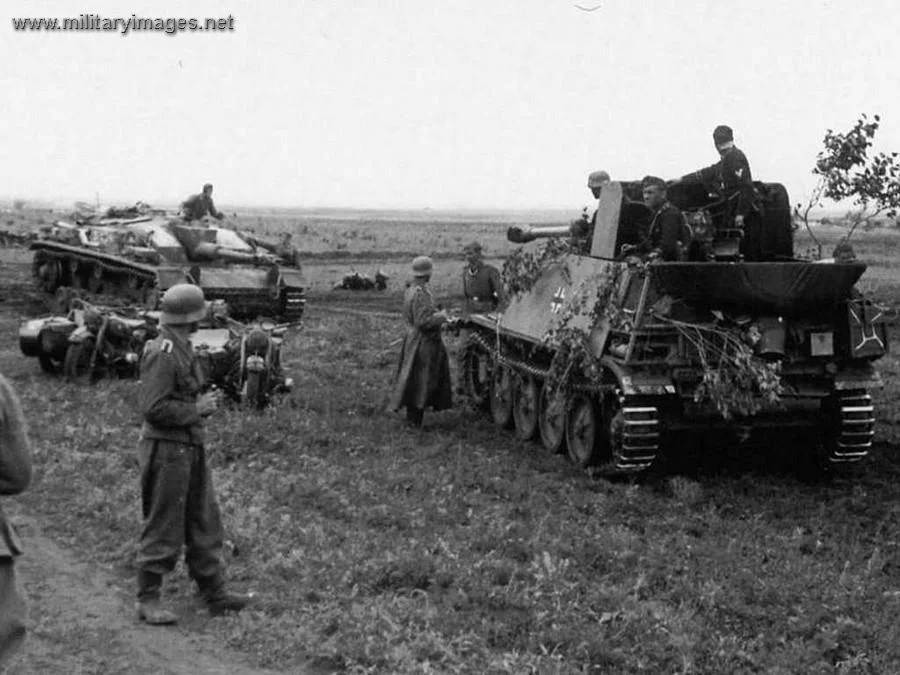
[
  {"x": 422, "y": 379},
  {"x": 482, "y": 286},
  {"x": 178, "y": 501}
]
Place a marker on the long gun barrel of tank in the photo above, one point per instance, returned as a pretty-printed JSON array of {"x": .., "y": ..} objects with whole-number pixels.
[{"x": 518, "y": 234}]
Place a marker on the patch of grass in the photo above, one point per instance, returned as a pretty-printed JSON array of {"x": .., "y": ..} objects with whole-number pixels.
[{"x": 373, "y": 548}]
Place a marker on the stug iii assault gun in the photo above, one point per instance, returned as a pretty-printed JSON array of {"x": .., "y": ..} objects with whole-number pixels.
[
  {"x": 138, "y": 257},
  {"x": 611, "y": 355}
]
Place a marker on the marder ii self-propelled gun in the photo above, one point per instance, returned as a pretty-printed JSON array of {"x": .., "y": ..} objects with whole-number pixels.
[
  {"x": 137, "y": 258},
  {"x": 611, "y": 354}
]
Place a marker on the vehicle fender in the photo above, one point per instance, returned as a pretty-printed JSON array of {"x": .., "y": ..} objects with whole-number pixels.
[
  {"x": 859, "y": 376},
  {"x": 639, "y": 382}
]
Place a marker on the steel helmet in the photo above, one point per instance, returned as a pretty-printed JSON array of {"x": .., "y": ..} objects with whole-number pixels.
[
  {"x": 422, "y": 266},
  {"x": 598, "y": 179},
  {"x": 182, "y": 304}
]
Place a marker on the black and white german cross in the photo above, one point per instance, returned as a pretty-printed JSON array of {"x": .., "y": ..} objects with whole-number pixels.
[{"x": 558, "y": 298}]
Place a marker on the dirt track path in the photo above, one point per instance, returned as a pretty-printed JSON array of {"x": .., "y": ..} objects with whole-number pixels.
[{"x": 82, "y": 622}]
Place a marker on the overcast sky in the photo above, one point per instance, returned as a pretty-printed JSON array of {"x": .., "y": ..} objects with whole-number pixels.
[{"x": 460, "y": 103}]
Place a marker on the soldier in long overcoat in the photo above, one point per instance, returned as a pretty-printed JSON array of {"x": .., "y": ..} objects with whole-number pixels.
[{"x": 422, "y": 379}]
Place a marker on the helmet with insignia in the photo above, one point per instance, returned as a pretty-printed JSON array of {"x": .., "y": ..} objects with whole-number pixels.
[
  {"x": 598, "y": 179},
  {"x": 422, "y": 266},
  {"x": 182, "y": 304}
]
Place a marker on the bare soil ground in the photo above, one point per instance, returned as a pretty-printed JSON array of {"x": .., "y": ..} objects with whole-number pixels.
[{"x": 83, "y": 622}]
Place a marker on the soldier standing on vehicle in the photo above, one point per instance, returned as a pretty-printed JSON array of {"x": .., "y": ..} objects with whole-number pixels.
[
  {"x": 731, "y": 175},
  {"x": 583, "y": 228},
  {"x": 422, "y": 379},
  {"x": 15, "y": 475},
  {"x": 668, "y": 235},
  {"x": 179, "y": 503},
  {"x": 482, "y": 287},
  {"x": 197, "y": 207}
]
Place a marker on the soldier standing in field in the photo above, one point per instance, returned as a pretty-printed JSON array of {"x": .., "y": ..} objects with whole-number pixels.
[
  {"x": 197, "y": 207},
  {"x": 177, "y": 496},
  {"x": 422, "y": 379},
  {"x": 15, "y": 475},
  {"x": 482, "y": 287}
]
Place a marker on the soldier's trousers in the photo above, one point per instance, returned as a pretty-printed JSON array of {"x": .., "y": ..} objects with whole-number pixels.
[{"x": 180, "y": 511}]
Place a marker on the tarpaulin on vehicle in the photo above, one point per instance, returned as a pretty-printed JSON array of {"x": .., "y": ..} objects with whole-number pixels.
[{"x": 788, "y": 288}]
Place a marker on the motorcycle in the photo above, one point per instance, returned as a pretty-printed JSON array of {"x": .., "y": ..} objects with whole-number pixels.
[
  {"x": 244, "y": 360},
  {"x": 107, "y": 342}
]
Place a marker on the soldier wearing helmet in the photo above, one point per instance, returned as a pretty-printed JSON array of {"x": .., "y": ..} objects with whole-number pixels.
[
  {"x": 179, "y": 504},
  {"x": 422, "y": 379},
  {"x": 583, "y": 228},
  {"x": 197, "y": 207}
]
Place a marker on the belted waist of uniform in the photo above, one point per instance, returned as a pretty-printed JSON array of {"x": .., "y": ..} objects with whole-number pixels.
[{"x": 193, "y": 435}]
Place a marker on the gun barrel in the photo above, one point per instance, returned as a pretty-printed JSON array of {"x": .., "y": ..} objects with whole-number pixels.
[{"x": 523, "y": 234}]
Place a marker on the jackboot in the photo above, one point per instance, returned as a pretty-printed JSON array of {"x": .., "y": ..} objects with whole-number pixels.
[
  {"x": 149, "y": 608},
  {"x": 217, "y": 599}
]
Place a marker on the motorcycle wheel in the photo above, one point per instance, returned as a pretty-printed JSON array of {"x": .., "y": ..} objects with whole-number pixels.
[
  {"x": 77, "y": 364},
  {"x": 49, "y": 364},
  {"x": 255, "y": 395}
]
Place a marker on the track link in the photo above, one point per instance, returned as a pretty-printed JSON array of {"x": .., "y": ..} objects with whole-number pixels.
[{"x": 855, "y": 428}]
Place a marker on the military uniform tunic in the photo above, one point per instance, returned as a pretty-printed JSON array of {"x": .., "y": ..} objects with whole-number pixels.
[
  {"x": 15, "y": 475},
  {"x": 178, "y": 502},
  {"x": 668, "y": 233},
  {"x": 732, "y": 175},
  {"x": 198, "y": 206},
  {"x": 482, "y": 288}
]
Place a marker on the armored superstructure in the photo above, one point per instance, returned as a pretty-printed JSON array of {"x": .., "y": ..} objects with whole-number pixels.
[{"x": 138, "y": 257}]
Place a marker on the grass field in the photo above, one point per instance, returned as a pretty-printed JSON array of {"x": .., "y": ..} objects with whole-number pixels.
[{"x": 373, "y": 548}]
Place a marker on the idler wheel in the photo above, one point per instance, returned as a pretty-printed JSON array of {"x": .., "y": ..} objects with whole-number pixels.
[
  {"x": 582, "y": 429},
  {"x": 525, "y": 406},
  {"x": 552, "y": 420},
  {"x": 502, "y": 396}
]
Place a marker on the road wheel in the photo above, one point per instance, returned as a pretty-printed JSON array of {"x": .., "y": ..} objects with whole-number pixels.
[
  {"x": 77, "y": 363},
  {"x": 525, "y": 406},
  {"x": 552, "y": 420},
  {"x": 255, "y": 394},
  {"x": 582, "y": 430},
  {"x": 502, "y": 396},
  {"x": 476, "y": 374}
]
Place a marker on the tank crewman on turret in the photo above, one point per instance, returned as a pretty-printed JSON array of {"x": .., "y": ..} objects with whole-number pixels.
[
  {"x": 178, "y": 501},
  {"x": 482, "y": 286},
  {"x": 583, "y": 228},
  {"x": 197, "y": 207},
  {"x": 732, "y": 175},
  {"x": 668, "y": 235},
  {"x": 422, "y": 379}
]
